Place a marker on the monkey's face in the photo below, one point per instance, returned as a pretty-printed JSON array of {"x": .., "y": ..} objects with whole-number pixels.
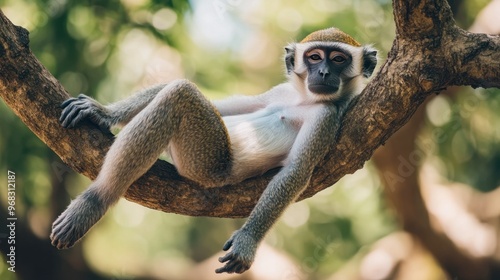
[
  {"x": 329, "y": 70},
  {"x": 325, "y": 65}
]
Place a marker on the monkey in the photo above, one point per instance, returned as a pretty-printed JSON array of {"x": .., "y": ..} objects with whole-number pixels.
[{"x": 223, "y": 142}]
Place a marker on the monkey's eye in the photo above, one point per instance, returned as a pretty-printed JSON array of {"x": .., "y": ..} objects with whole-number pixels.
[
  {"x": 338, "y": 59},
  {"x": 314, "y": 58}
]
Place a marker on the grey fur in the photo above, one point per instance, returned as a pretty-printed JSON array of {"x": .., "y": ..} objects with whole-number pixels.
[
  {"x": 283, "y": 189},
  {"x": 79, "y": 217},
  {"x": 177, "y": 112},
  {"x": 119, "y": 113},
  {"x": 214, "y": 150}
]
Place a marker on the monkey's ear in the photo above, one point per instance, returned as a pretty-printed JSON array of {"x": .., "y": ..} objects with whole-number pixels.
[
  {"x": 290, "y": 58},
  {"x": 369, "y": 60}
]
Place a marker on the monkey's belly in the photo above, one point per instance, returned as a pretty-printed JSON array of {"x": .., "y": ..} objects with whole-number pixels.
[{"x": 260, "y": 141}]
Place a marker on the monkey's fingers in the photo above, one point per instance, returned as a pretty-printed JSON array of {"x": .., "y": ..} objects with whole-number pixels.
[
  {"x": 72, "y": 99},
  {"x": 240, "y": 268},
  {"x": 228, "y": 244},
  {"x": 75, "y": 112},
  {"x": 67, "y": 109},
  {"x": 71, "y": 116},
  {"x": 67, "y": 102},
  {"x": 69, "y": 106},
  {"x": 234, "y": 265},
  {"x": 229, "y": 266},
  {"x": 220, "y": 270},
  {"x": 81, "y": 115},
  {"x": 227, "y": 257}
]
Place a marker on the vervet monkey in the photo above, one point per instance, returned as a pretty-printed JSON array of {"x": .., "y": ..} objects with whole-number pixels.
[{"x": 225, "y": 142}]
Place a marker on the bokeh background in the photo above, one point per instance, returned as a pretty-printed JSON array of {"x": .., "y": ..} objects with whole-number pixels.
[{"x": 437, "y": 181}]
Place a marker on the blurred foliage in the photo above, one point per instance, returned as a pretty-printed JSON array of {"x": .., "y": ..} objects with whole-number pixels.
[
  {"x": 108, "y": 49},
  {"x": 464, "y": 135},
  {"x": 467, "y": 11}
]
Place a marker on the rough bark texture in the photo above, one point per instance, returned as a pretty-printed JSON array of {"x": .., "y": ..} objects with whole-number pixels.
[
  {"x": 398, "y": 163},
  {"x": 428, "y": 54}
]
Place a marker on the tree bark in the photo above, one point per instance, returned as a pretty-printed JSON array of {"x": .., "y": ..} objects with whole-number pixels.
[
  {"x": 428, "y": 54},
  {"x": 398, "y": 164}
]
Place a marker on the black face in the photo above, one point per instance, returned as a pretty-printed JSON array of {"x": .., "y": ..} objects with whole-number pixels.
[{"x": 325, "y": 65}]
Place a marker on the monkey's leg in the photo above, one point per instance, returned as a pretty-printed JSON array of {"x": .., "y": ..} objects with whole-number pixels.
[
  {"x": 178, "y": 115},
  {"x": 85, "y": 107}
]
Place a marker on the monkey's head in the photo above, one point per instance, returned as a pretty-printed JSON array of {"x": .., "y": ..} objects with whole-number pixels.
[{"x": 329, "y": 64}]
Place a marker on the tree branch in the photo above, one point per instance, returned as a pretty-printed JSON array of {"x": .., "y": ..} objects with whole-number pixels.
[
  {"x": 429, "y": 53},
  {"x": 403, "y": 190}
]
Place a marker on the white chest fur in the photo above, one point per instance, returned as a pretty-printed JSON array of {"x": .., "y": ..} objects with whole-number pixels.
[{"x": 261, "y": 140}]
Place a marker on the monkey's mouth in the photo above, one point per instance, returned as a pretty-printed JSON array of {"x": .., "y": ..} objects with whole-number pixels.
[{"x": 323, "y": 88}]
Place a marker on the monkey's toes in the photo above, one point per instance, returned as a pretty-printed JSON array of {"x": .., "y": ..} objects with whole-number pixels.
[
  {"x": 64, "y": 235},
  {"x": 76, "y": 220},
  {"x": 67, "y": 230}
]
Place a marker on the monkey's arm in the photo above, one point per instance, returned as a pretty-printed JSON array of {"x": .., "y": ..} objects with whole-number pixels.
[
  {"x": 242, "y": 104},
  {"x": 239, "y": 104},
  {"x": 306, "y": 152},
  {"x": 121, "y": 112}
]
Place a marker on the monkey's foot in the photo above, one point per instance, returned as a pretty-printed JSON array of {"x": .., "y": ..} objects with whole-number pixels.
[
  {"x": 76, "y": 220},
  {"x": 241, "y": 256}
]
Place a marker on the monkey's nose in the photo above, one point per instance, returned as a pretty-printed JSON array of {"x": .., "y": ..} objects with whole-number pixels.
[{"x": 324, "y": 73}]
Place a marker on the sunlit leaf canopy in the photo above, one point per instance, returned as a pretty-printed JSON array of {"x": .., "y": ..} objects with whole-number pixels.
[{"x": 109, "y": 49}]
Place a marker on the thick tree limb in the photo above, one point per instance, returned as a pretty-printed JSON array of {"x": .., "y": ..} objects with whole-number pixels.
[
  {"x": 429, "y": 53},
  {"x": 403, "y": 190}
]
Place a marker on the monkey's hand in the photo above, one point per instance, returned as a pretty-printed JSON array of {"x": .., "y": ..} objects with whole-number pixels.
[
  {"x": 76, "y": 220},
  {"x": 242, "y": 254},
  {"x": 83, "y": 107}
]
